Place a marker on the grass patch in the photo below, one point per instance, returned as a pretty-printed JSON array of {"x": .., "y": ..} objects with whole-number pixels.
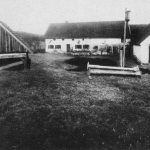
[{"x": 48, "y": 107}]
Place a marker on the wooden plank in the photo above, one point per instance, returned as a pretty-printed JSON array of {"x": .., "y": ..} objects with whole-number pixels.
[
  {"x": 0, "y": 40},
  {"x": 6, "y": 42},
  {"x": 2, "y": 45},
  {"x": 112, "y": 72},
  {"x": 111, "y": 68},
  {"x": 13, "y": 55},
  {"x": 121, "y": 58},
  {"x": 12, "y": 44},
  {"x": 11, "y": 65},
  {"x": 9, "y": 44}
]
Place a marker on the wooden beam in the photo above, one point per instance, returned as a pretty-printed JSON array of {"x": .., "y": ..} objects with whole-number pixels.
[
  {"x": 0, "y": 40},
  {"x": 6, "y": 42},
  {"x": 121, "y": 58},
  {"x": 13, "y": 55},
  {"x": 112, "y": 49},
  {"x": 12, "y": 44},
  {"x": 9, "y": 44},
  {"x": 116, "y": 72},
  {"x": 111, "y": 68},
  {"x": 11, "y": 65}
]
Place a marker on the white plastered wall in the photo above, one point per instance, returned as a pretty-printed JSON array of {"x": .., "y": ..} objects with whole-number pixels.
[
  {"x": 142, "y": 51},
  {"x": 90, "y": 41}
]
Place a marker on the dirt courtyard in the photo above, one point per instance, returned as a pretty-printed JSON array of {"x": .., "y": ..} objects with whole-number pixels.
[{"x": 71, "y": 73}]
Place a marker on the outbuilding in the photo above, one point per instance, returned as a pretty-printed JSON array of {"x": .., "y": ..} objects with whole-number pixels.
[{"x": 141, "y": 42}]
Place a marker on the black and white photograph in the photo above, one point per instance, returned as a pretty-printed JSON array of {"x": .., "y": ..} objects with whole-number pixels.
[{"x": 74, "y": 74}]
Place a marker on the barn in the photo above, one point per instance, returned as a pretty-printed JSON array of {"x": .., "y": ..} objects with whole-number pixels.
[
  {"x": 66, "y": 37},
  {"x": 12, "y": 48},
  {"x": 10, "y": 42}
]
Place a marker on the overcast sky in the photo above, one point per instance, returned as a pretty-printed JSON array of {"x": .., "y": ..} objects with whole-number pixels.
[{"x": 35, "y": 15}]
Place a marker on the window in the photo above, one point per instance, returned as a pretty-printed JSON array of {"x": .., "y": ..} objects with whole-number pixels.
[
  {"x": 86, "y": 46},
  {"x": 58, "y": 46},
  {"x": 95, "y": 47},
  {"x": 78, "y": 46},
  {"x": 50, "y": 46}
]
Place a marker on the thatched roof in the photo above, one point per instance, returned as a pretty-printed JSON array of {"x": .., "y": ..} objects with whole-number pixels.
[
  {"x": 139, "y": 33},
  {"x": 104, "y": 29}
]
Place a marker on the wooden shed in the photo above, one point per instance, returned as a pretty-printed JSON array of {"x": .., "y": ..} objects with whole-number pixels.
[{"x": 12, "y": 46}]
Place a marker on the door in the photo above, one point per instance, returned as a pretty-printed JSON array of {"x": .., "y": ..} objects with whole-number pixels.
[{"x": 68, "y": 47}]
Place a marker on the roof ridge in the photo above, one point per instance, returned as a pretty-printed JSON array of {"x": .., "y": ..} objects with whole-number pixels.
[{"x": 105, "y": 21}]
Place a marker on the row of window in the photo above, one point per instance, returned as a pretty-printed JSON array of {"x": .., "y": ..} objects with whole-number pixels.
[
  {"x": 64, "y": 39},
  {"x": 82, "y": 46},
  {"x": 76, "y": 46},
  {"x": 52, "y": 46}
]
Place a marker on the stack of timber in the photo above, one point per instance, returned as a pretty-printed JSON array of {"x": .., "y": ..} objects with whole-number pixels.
[
  {"x": 109, "y": 70},
  {"x": 12, "y": 47}
]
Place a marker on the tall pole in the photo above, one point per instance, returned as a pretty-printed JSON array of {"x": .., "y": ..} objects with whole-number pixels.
[
  {"x": 124, "y": 44},
  {"x": 124, "y": 37}
]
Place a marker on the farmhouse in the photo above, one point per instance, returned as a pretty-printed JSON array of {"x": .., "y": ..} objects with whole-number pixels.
[{"x": 66, "y": 37}]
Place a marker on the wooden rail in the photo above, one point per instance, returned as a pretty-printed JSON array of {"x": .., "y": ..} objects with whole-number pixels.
[
  {"x": 12, "y": 55},
  {"x": 24, "y": 57},
  {"x": 11, "y": 65},
  {"x": 134, "y": 69},
  {"x": 116, "y": 72},
  {"x": 104, "y": 70}
]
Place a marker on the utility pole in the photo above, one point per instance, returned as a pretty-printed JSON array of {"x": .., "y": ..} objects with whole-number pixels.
[{"x": 127, "y": 19}]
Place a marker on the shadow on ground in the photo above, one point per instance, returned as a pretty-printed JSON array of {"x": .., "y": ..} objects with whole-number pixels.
[
  {"x": 145, "y": 71},
  {"x": 4, "y": 62},
  {"x": 81, "y": 63}
]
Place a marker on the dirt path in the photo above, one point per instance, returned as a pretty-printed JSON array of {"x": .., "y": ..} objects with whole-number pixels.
[{"x": 75, "y": 84}]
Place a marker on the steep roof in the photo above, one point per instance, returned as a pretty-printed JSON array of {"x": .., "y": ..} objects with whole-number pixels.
[
  {"x": 104, "y": 29},
  {"x": 139, "y": 32}
]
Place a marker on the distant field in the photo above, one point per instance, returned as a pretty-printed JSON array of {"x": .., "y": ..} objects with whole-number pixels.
[{"x": 56, "y": 106}]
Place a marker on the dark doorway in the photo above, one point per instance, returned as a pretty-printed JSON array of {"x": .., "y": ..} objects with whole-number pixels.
[{"x": 68, "y": 47}]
